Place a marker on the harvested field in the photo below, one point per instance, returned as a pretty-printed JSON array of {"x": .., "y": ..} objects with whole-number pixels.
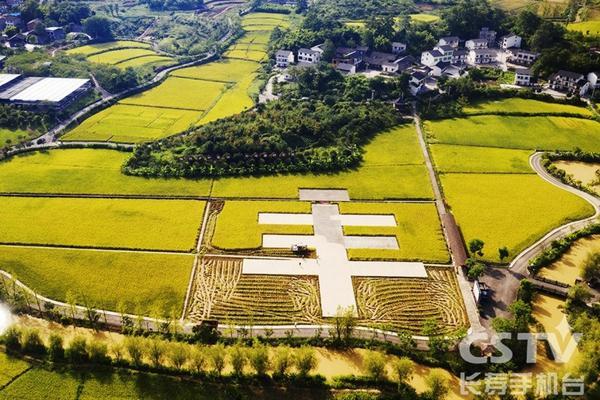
[
  {"x": 154, "y": 281},
  {"x": 113, "y": 223},
  {"x": 568, "y": 268},
  {"x": 91, "y": 49},
  {"x": 407, "y": 303},
  {"x": 586, "y": 173}
]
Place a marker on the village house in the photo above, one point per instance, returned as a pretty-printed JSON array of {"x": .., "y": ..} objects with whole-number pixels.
[
  {"x": 16, "y": 41},
  {"x": 376, "y": 59},
  {"x": 459, "y": 57},
  {"x": 283, "y": 58},
  {"x": 523, "y": 77},
  {"x": 481, "y": 56},
  {"x": 309, "y": 56},
  {"x": 431, "y": 57},
  {"x": 398, "y": 47},
  {"x": 346, "y": 68},
  {"x": 446, "y": 51},
  {"x": 474, "y": 44},
  {"x": 452, "y": 41},
  {"x": 31, "y": 25},
  {"x": 510, "y": 41},
  {"x": 55, "y": 33},
  {"x": 489, "y": 35},
  {"x": 594, "y": 79},
  {"x": 567, "y": 81},
  {"x": 521, "y": 57}
]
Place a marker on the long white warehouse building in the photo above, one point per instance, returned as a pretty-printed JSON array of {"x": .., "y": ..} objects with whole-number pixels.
[{"x": 40, "y": 91}]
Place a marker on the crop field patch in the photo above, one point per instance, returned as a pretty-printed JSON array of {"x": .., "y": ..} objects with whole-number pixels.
[
  {"x": 252, "y": 55},
  {"x": 255, "y": 37},
  {"x": 10, "y": 367},
  {"x": 179, "y": 93},
  {"x": 418, "y": 232},
  {"x": 150, "y": 60},
  {"x": 407, "y": 303},
  {"x": 452, "y": 158},
  {"x": 38, "y": 383},
  {"x": 226, "y": 70},
  {"x": 86, "y": 171},
  {"x": 91, "y": 49},
  {"x": 132, "y": 124},
  {"x": 237, "y": 224},
  {"x": 234, "y": 101},
  {"x": 154, "y": 281},
  {"x": 516, "y": 105},
  {"x": 549, "y": 133},
  {"x": 8, "y": 136},
  {"x": 108, "y": 223},
  {"x": 486, "y": 207},
  {"x": 426, "y": 18},
  {"x": 220, "y": 291},
  {"x": 263, "y": 27},
  {"x": 116, "y": 56},
  {"x": 588, "y": 28}
]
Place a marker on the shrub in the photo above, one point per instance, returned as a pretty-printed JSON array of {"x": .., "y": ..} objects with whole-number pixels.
[
  {"x": 258, "y": 356},
  {"x": 12, "y": 339},
  {"x": 438, "y": 385},
  {"x": 305, "y": 360},
  {"x": 178, "y": 354},
  {"x": 98, "y": 352},
  {"x": 282, "y": 361},
  {"x": 374, "y": 365},
  {"x": 155, "y": 350},
  {"x": 56, "y": 352},
  {"x": 198, "y": 359},
  {"x": 404, "y": 368},
  {"x": 238, "y": 359},
  {"x": 216, "y": 355},
  {"x": 32, "y": 344},
  {"x": 77, "y": 353},
  {"x": 134, "y": 347},
  {"x": 117, "y": 350}
]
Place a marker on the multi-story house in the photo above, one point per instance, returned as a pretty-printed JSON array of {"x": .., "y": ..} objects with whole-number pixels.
[
  {"x": 474, "y": 44},
  {"x": 510, "y": 41},
  {"x": 283, "y": 58}
]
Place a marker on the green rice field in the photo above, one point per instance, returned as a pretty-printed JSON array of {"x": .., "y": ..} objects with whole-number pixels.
[
  {"x": 418, "y": 231},
  {"x": 588, "y": 28},
  {"x": 116, "y": 56},
  {"x": 511, "y": 210},
  {"x": 454, "y": 158},
  {"x": 555, "y": 133},
  {"x": 91, "y": 49},
  {"x": 105, "y": 223},
  {"x": 226, "y": 70},
  {"x": 523, "y": 106},
  {"x": 97, "y": 277},
  {"x": 237, "y": 224}
]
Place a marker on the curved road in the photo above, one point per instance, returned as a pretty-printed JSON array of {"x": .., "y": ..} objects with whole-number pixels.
[{"x": 520, "y": 263}]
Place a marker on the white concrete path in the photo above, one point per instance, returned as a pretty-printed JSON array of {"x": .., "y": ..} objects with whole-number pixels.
[
  {"x": 323, "y": 195},
  {"x": 371, "y": 242},
  {"x": 285, "y": 219}
]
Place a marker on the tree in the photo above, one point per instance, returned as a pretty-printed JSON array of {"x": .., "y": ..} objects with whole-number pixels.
[
  {"x": 591, "y": 267},
  {"x": 438, "y": 345},
  {"x": 31, "y": 343},
  {"x": 30, "y": 9},
  {"x": 98, "y": 352},
  {"x": 118, "y": 352},
  {"x": 216, "y": 355},
  {"x": 344, "y": 323},
  {"x": 476, "y": 270},
  {"x": 305, "y": 360},
  {"x": 66, "y": 12},
  {"x": 135, "y": 350},
  {"x": 438, "y": 384},
  {"x": 98, "y": 27},
  {"x": 77, "y": 353},
  {"x": 12, "y": 339},
  {"x": 578, "y": 295},
  {"x": 155, "y": 349},
  {"x": 503, "y": 253},
  {"x": 374, "y": 364},
  {"x": 11, "y": 30},
  {"x": 404, "y": 368},
  {"x": 198, "y": 359},
  {"x": 476, "y": 247}
]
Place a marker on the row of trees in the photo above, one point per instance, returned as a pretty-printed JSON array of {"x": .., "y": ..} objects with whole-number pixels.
[{"x": 282, "y": 136}]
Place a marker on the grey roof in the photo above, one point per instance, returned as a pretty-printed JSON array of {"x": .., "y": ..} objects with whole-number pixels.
[
  {"x": 477, "y": 40},
  {"x": 446, "y": 47},
  {"x": 419, "y": 75},
  {"x": 435, "y": 53},
  {"x": 450, "y": 38},
  {"x": 460, "y": 52},
  {"x": 308, "y": 51},
  {"x": 283, "y": 53},
  {"x": 523, "y": 71},
  {"x": 344, "y": 67},
  {"x": 442, "y": 65},
  {"x": 509, "y": 35},
  {"x": 567, "y": 74},
  {"x": 484, "y": 51}
]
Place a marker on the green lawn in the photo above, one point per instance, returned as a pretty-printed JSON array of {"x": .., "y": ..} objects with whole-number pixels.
[
  {"x": 453, "y": 158},
  {"x": 509, "y": 210},
  {"x": 419, "y": 232},
  {"x": 104, "y": 278},
  {"x": 10, "y": 136},
  {"x": 551, "y": 133},
  {"x": 86, "y": 171},
  {"x": 114, "y": 223},
  {"x": 523, "y": 106},
  {"x": 426, "y": 18},
  {"x": 588, "y": 28},
  {"x": 237, "y": 225},
  {"x": 39, "y": 384}
]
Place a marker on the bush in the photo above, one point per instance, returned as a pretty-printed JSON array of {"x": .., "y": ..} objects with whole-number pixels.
[
  {"x": 258, "y": 356},
  {"x": 305, "y": 360},
  {"x": 198, "y": 359},
  {"x": 77, "y": 353},
  {"x": 12, "y": 339},
  {"x": 117, "y": 350},
  {"x": 155, "y": 350},
  {"x": 374, "y": 365},
  {"x": 98, "y": 352},
  {"x": 56, "y": 352},
  {"x": 282, "y": 361},
  {"x": 438, "y": 385},
  {"x": 238, "y": 359},
  {"x": 178, "y": 354},
  {"x": 135, "y": 350},
  {"x": 216, "y": 355},
  {"x": 404, "y": 368},
  {"x": 32, "y": 344}
]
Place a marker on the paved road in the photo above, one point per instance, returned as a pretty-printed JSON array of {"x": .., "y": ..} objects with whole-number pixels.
[
  {"x": 465, "y": 286},
  {"x": 505, "y": 282}
]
